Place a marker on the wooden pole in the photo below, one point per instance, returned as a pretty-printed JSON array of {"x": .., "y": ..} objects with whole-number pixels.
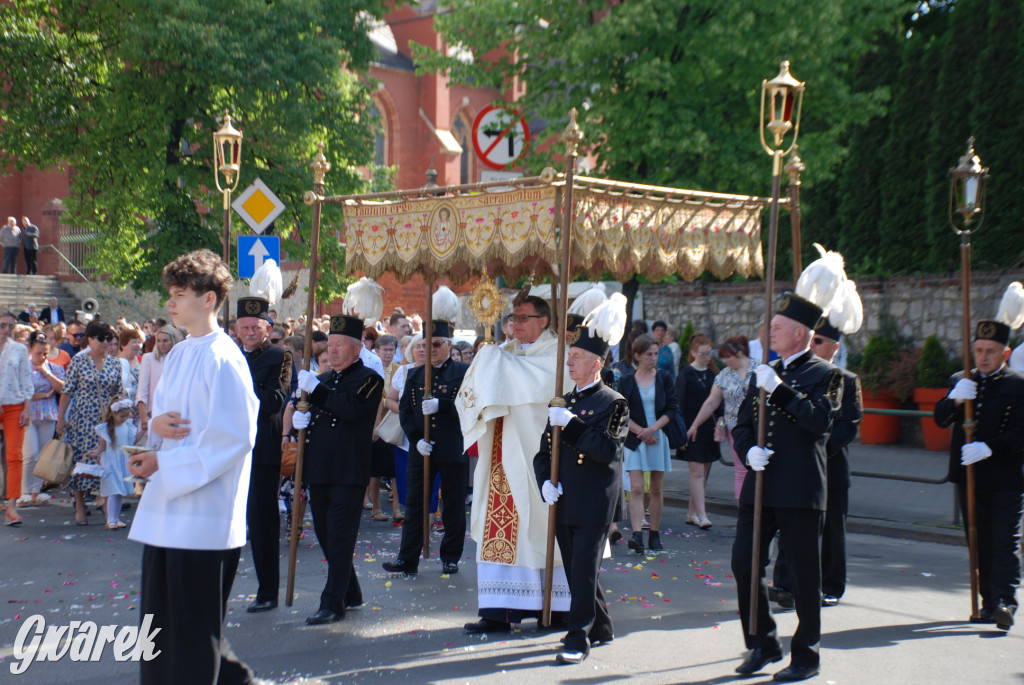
[
  {"x": 794, "y": 167},
  {"x": 428, "y": 377},
  {"x": 762, "y": 399},
  {"x": 320, "y": 167},
  {"x": 972, "y": 528},
  {"x": 572, "y": 136}
]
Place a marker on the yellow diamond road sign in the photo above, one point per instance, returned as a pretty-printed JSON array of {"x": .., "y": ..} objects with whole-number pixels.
[{"x": 258, "y": 206}]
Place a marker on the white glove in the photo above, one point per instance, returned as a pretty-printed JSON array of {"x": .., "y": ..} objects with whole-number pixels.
[
  {"x": 424, "y": 448},
  {"x": 430, "y": 406},
  {"x": 560, "y": 416},
  {"x": 307, "y": 381},
  {"x": 550, "y": 492},
  {"x": 973, "y": 452},
  {"x": 767, "y": 379},
  {"x": 965, "y": 389},
  {"x": 300, "y": 420},
  {"x": 757, "y": 457}
]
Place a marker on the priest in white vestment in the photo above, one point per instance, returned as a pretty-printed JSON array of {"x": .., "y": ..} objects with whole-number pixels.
[{"x": 503, "y": 407}]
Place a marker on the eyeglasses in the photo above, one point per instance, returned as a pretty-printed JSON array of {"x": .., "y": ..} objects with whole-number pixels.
[
  {"x": 438, "y": 344},
  {"x": 523, "y": 318},
  {"x": 74, "y": 335},
  {"x": 703, "y": 354},
  {"x": 6, "y": 326},
  {"x": 818, "y": 340},
  {"x": 276, "y": 340}
]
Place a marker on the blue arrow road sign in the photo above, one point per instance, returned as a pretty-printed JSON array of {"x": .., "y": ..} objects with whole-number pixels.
[{"x": 253, "y": 250}]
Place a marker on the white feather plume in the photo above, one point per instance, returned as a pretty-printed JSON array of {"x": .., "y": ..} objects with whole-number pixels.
[
  {"x": 822, "y": 278},
  {"x": 608, "y": 319},
  {"x": 445, "y": 305},
  {"x": 588, "y": 300},
  {"x": 267, "y": 282},
  {"x": 847, "y": 311},
  {"x": 364, "y": 299},
  {"x": 1011, "y": 307}
]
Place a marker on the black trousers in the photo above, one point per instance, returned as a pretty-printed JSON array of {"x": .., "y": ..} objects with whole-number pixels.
[
  {"x": 833, "y": 548},
  {"x": 581, "y": 548},
  {"x": 454, "y": 481},
  {"x": 264, "y": 521},
  {"x": 336, "y": 513},
  {"x": 30, "y": 261},
  {"x": 10, "y": 260},
  {"x": 186, "y": 591},
  {"x": 801, "y": 529},
  {"x": 998, "y": 514}
]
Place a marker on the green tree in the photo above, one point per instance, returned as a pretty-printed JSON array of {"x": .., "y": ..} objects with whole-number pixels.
[
  {"x": 128, "y": 94},
  {"x": 669, "y": 89}
]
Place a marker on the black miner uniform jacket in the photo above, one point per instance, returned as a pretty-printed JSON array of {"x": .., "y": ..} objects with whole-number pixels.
[
  {"x": 271, "y": 369},
  {"x": 801, "y": 412},
  {"x": 844, "y": 430},
  {"x": 999, "y": 423},
  {"x": 341, "y": 426},
  {"x": 445, "y": 430},
  {"x": 590, "y": 461}
]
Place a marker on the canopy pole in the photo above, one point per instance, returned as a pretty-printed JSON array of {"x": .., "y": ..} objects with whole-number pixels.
[
  {"x": 572, "y": 137},
  {"x": 320, "y": 168},
  {"x": 969, "y": 423},
  {"x": 428, "y": 378}
]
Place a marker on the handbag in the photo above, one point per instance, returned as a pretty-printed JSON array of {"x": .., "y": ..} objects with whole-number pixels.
[
  {"x": 289, "y": 455},
  {"x": 55, "y": 462},
  {"x": 390, "y": 429},
  {"x": 675, "y": 431}
]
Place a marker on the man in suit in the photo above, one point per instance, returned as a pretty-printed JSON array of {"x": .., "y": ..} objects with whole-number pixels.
[
  {"x": 997, "y": 453},
  {"x": 594, "y": 420},
  {"x": 337, "y": 459},
  {"x": 447, "y": 455},
  {"x": 271, "y": 369},
  {"x": 30, "y": 244},
  {"x": 804, "y": 399},
  {"x": 51, "y": 313},
  {"x": 825, "y": 344}
]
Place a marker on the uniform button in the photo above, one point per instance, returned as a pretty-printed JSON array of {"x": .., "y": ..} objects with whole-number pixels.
[{"x": 770, "y": 434}]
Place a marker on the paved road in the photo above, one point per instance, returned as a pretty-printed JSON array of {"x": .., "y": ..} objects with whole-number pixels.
[{"x": 901, "y": 621}]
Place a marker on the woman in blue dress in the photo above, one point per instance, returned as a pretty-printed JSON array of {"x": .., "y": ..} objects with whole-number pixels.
[
  {"x": 651, "y": 395},
  {"x": 93, "y": 381}
]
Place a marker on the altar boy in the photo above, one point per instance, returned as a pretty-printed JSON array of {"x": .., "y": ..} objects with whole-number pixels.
[{"x": 191, "y": 518}]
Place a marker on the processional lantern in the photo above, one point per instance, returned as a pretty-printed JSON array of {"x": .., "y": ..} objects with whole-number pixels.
[
  {"x": 227, "y": 146},
  {"x": 967, "y": 189}
]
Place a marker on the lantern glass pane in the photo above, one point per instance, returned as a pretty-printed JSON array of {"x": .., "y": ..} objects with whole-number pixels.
[{"x": 971, "y": 192}]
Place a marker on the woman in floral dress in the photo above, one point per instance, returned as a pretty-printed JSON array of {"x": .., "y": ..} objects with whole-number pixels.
[{"x": 93, "y": 381}]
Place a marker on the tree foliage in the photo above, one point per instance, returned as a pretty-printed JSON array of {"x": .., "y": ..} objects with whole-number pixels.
[{"x": 128, "y": 94}]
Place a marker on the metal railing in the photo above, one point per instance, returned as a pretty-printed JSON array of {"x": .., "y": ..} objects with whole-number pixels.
[{"x": 96, "y": 292}]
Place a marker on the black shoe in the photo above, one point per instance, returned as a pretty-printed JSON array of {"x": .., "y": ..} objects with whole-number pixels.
[
  {"x": 636, "y": 543},
  {"x": 615, "y": 536},
  {"x": 984, "y": 616},
  {"x": 400, "y": 566},
  {"x": 568, "y": 656},
  {"x": 654, "y": 541},
  {"x": 781, "y": 596},
  {"x": 793, "y": 672},
  {"x": 487, "y": 625},
  {"x": 450, "y": 567},
  {"x": 323, "y": 617},
  {"x": 829, "y": 600},
  {"x": 260, "y": 606},
  {"x": 601, "y": 639},
  {"x": 1002, "y": 615},
  {"x": 757, "y": 659},
  {"x": 354, "y": 605}
]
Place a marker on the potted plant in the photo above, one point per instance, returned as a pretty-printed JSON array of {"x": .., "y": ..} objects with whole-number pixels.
[
  {"x": 933, "y": 371},
  {"x": 875, "y": 376}
]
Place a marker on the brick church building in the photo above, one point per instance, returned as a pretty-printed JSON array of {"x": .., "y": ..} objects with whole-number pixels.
[{"x": 425, "y": 126}]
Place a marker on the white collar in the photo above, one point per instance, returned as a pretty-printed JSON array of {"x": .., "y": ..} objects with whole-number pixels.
[
  {"x": 790, "y": 359},
  {"x": 1002, "y": 366},
  {"x": 588, "y": 385}
]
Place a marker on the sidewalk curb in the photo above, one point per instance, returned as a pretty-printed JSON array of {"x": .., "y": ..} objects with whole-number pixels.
[{"x": 864, "y": 526}]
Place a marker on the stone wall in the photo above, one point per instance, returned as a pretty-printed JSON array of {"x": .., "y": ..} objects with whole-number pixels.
[{"x": 918, "y": 305}]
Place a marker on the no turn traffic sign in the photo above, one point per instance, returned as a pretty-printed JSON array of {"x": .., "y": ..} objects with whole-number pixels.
[{"x": 500, "y": 136}]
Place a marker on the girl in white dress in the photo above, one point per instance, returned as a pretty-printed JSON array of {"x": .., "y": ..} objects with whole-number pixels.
[{"x": 116, "y": 432}]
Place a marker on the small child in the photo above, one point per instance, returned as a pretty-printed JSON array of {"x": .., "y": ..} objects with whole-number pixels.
[{"x": 118, "y": 430}]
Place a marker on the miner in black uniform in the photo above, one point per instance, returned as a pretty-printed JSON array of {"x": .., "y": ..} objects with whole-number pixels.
[
  {"x": 587, "y": 487},
  {"x": 447, "y": 456},
  {"x": 271, "y": 369},
  {"x": 997, "y": 453},
  {"x": 337, "y": 459},
  {"x": 804, "y": 398},
  {"x": 825, "y": 344}
]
